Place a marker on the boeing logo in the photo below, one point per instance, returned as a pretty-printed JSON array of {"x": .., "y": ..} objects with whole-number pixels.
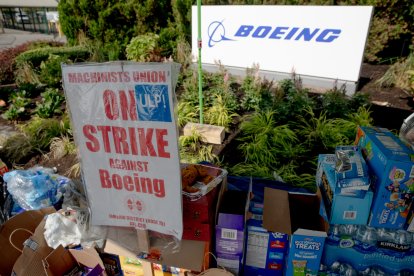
[{"x": 217, "y": 33}]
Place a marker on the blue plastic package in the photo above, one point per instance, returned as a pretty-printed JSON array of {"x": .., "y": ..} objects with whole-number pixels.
[{"x": 35, "y": 188}]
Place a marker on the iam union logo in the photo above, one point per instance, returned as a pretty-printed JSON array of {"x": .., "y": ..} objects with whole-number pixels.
[
  {"x": 134, "y": 205},
  {"x": 216, "y": 33}
]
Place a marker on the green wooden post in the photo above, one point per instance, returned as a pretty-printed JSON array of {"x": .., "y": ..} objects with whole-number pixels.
[{"x": 200, "y": 73}]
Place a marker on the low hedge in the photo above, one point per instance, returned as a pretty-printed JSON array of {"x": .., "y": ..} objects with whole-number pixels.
[{"x": 36, "y": 56}]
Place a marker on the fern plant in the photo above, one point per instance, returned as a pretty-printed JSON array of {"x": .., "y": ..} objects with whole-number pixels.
[
  {"x": 251, "y": 169},
  {"x": 321, "y": 132},
  {"x": 186, "y": 113},
  {"x": 218, "y": 114}
]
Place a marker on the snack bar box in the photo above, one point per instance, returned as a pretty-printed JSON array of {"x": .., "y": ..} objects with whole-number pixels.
[{"x": 391, "y": 164}]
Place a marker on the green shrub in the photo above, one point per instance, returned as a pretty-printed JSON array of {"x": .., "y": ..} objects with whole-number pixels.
[
  {"x": 19, "y": 102},
  {"x": 167, "y": 42},
  {"x": 7, "y": 64},
  {"x": 251, "y": 88},
  {"x": 35, "y": 137},
  {"x": 193, "y": 150},
  {"x": 291, "y": 101},
  {"x": 218, "y": 114},
  {"x": 398, "y": 74},
  {"x": 42, "y": 131},
  {"x": 143, "y": 48},
  {"x": 52, "y": 100},
  {"x": 335, "y": 103},
  {"x": 112, "y": 22},
  {"x": 37, "y": 56},
  {"x": 50, "y": 70},
  {"x": 186, "y": 113}
]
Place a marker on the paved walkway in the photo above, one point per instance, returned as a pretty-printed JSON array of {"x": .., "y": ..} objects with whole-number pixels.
[{"x": 11, "y": 38}]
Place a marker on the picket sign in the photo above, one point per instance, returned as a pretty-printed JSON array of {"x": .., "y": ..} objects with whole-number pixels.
[{"x": 125, "y": 129}]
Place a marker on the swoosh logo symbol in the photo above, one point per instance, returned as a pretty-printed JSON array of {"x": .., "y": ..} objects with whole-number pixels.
[{"x": 216, "y": 33}]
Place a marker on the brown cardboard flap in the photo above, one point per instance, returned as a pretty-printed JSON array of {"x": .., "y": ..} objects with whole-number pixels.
[
  {"x": 276, "y": 211},
  {"x": 26, "y": 222},
  {"x": 190, "y": 256},
  {"x": 59, "y": 262},
  {"x": 30, "y": 261},
  {"x": 88, "y": 257}
]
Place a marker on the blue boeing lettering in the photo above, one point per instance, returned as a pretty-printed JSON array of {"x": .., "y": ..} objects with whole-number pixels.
[
  {"x": 261, "y": 31},
  {"x": 287, "y": 33},
  {"x": 326, "y": 37}
]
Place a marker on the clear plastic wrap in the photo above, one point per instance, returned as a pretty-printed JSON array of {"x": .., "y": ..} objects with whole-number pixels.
[
  {"x": 200, "y": 179},
  {"x": 35, "y": 188},
  {"x": 70, "y": 227},
  {"x": 128, "y": 238}
]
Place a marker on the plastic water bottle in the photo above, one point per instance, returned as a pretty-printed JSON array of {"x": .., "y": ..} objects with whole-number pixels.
[{"x": 366, "y": 234}]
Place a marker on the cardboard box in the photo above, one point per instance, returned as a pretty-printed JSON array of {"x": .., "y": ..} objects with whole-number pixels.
[
  {"x": 17, "y": 229},
  {"x": 122, "y": 241},
  {"x": 230, "y": 230},
  {"x": 197, "y": 231},
  {"x": 410, "y": 220},
  {"x": 38, "y": 258},
  {"x": 351, "y": 172},
  {"x": 367, "y": 249},
  {"x": 391, "y": 163},
  {"x": 340, "y": 208},
  {"x": 298, "y": 216},
  {"x": 190, "y": 255},
  {"x": 265, "y": 251}
]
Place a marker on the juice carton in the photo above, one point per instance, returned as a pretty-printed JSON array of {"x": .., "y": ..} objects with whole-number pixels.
[
  {"x": 391, "y": 164},
  {"x": 340, "y": 208},
  {"x": 351, "y": 171}
]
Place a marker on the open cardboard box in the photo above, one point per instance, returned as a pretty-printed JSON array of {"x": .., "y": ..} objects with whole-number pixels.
[
  {"x": 297, "y": 215},
  {"x": 38, "y": 258},
  {"x": 123, "y": 241},
  {"x": 16, "y": 230}
]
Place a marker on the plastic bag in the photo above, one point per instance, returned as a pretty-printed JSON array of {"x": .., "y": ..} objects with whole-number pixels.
[
  {"x": 35, "y": 188},
  {"x": 71, "y": 227},
  {"x": 60, "y": 230}
]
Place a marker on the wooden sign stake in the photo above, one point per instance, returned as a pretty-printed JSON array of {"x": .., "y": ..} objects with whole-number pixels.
[{"x": 144, "y": 246}]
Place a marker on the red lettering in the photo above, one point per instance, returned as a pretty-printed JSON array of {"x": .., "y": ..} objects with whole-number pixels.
[
  {"x": 128, "y": 108},
  {"x": 72, "y": 77},
  {"x": 104, "y": 176},
  {"x": 146, "y": 185},
  {"x": 121, "y": 145},
  {"x": 93, "y": 144},
  {"x": 111, "y": 105},
  {"x": 145, "y": 140},
  {"x": 86, "y": 77},
  {"x": 161, "y": 76},
  {"x": 113, "y": 77},
  {"x": 117, "y": 181},
  {"x": 105, "y": 137},
  {"x": 128, "y": 183},
  {"x": 133, "y": 139},
  {"x": 162, "y": 143},
  {"x": 126, "y": 77}
]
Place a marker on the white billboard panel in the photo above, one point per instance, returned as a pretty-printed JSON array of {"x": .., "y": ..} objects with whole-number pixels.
[{"x": 320, "y": 41}]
